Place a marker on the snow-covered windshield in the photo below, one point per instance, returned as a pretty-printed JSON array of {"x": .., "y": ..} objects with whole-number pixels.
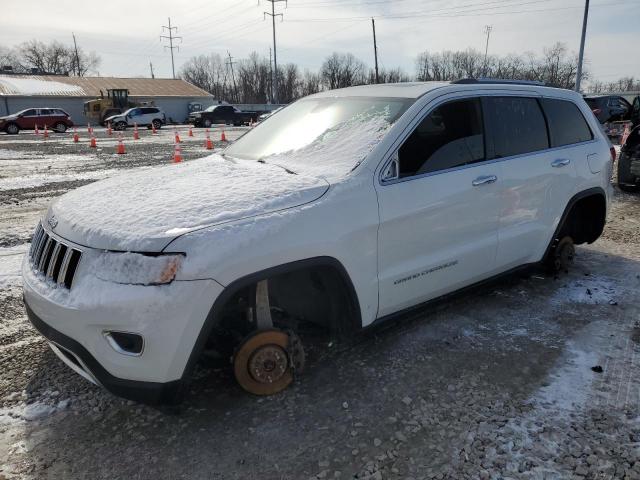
[{"x": 321, "y": 136}]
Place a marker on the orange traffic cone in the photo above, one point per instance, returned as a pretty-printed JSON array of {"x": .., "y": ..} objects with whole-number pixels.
[
  {"x": 89, "y": 129},
  {"x": 190, "y": 132},
  {"x": 136, "y": 135},
  {"x": 109, "y": 130},
  {"x": 153, "y": 129},
  {"x": 208, "y": 144},
  {"x": 223, "y": 137},
  {"x": 37, "y": 132},
  {"x": 120, "y": 150},
  {"x": 177, "y": 154},
  {"x": 46, "y": 133},
  {"x": 93, "y": 143},
  {"x": 625, "y": 135},
  {"x": 76, "y": 137}
]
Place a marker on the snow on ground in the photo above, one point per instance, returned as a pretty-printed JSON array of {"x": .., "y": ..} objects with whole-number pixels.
[
  {"x": 594, "y": 290},
  {"x": 10, "y": 264}
]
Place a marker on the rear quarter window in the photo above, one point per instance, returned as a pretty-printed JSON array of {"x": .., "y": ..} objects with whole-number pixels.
[{"x": 567, "y": 125}]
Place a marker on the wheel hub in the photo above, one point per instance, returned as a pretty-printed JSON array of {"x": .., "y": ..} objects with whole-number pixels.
[
  {"x": 268, "y": 364},
  {"x": 262, "y": 364}
]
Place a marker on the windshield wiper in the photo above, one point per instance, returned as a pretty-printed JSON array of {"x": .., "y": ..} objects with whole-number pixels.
[{"x": 284, "y": 168}]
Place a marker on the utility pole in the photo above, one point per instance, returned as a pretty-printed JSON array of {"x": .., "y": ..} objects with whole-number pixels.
[
  {"x": 273, "y": 16},
  {"x": 171, "y": 37},
  {"x": 487, "y": 32},
  {"x": 230, "y": 62},
  {"x": 375, "y": 49},
  {"x": 75, "y": 45},
  {"x": 271, "y": 74},
  {"x": 582, "y": 40},
  {"x": 151, "y": 67}
]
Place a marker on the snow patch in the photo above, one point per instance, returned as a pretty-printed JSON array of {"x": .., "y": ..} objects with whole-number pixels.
[
  {"x": 10, "y": 265},
  {"x": 592, "y": 290}
]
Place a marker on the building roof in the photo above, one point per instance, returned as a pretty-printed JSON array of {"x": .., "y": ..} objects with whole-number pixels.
[{"x": 56, "y": 85}]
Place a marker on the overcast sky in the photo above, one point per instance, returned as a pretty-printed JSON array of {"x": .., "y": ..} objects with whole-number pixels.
[{"x": 125, "y": 34}]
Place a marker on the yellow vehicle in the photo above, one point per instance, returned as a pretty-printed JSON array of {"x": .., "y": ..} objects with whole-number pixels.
[{"x": 116, "y": 102}]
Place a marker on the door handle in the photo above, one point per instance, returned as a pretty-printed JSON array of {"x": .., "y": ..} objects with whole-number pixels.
[
  {"x": 484, "y": 180},
  {"x": 561, "y": 162}
]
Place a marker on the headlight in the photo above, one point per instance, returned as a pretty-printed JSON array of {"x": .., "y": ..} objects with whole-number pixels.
[{"x": 136, "y": 268}]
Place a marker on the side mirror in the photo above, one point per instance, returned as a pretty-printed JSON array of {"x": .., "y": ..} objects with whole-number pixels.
[{"x": 392, "y": 170}]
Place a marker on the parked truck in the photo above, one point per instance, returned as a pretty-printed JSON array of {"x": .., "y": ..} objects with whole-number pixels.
[{"x": 222, "y": 114}]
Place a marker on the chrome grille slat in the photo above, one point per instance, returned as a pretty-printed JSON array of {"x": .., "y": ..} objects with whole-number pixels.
[
  {"x": 52, "y": 258},
  {"x": 45, "y": 253},
  {"x": 64, "y": 266}
]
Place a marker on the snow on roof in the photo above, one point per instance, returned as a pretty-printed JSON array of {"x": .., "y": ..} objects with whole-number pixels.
[
  {"x": 59, "y": 85},
  {"x": 16, "y": 85},
  {"x": 400, "y": 90}
]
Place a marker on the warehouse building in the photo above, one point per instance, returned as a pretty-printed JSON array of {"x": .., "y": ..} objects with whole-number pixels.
[{"x": 18, "y": 92}]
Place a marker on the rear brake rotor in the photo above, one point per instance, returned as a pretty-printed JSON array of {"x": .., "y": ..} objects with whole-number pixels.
[
  {"x": 262, "y": 364},
  {"x": 564, "y": 255}
]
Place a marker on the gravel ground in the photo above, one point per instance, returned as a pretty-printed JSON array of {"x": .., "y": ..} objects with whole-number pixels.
[{"x": 531, "y": 377}]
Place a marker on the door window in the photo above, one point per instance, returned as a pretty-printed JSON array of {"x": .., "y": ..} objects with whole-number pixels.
[
  {"x": 566, "y": 123},
  {"x": 450, "y": 136},
  {"x": 45, "y": 112},
  {"x": 135, "y": 112},
  {"x": 516, "y": 124},
  {"x": 30, "y": 113}
]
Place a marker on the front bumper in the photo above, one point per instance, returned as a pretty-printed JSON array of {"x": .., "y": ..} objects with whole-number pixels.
[
  {"x": 169, "y": 318},
  {"x": 82, "y": 362}
]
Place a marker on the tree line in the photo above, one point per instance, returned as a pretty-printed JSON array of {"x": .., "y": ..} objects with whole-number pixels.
[
  {"x": 251, "y": 78},
  {"x": 53, "y": 58}
]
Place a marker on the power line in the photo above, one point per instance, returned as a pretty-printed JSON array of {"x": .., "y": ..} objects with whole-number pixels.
[
  {"x": 273, "y": 16},
  {"x": 171, "y": 37}
]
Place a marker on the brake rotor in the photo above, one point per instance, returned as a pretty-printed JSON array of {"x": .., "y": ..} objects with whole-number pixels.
[
  {"x": 564, "y": 254},
  {"x": 262, "y": 364}
]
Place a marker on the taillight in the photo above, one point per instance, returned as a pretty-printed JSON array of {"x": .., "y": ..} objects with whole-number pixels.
[{"x": 613, "y": 154}]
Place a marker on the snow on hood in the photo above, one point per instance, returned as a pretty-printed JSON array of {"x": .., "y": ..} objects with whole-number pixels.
[{"x": 144, "y": 211}]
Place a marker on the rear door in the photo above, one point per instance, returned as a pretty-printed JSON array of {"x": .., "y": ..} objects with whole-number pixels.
[
  {"x": 439, "y": 217},
  {"x": 46, "y": 117},
  {"x": 538, "y": 180}
]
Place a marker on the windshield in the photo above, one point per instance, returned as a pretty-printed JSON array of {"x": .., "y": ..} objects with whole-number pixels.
[
  {"x": 211, "y": 108},
  {"x": 321, "y": 136}
]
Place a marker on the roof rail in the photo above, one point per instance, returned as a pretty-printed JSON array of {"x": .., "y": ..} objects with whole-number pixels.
[{"x": 498, "y": 81}]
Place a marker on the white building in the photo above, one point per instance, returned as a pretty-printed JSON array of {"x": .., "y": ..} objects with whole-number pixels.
[{"x": 18, "y": 92}]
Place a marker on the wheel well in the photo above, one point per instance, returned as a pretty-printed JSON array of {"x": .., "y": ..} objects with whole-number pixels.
[
  {"x": 315, "y": 294},
  {"x": 585, "y": 219}
]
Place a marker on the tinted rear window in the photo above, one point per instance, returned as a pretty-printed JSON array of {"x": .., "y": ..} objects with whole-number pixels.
[
  {"x": 517, "y": 125},
  {"x": 566, "y": 123}
]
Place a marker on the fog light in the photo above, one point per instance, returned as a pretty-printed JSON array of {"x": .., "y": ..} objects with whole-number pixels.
[{"x": 125, "y": 343}]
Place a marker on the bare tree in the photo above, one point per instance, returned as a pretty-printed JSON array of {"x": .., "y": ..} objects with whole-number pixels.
[
  {"x": 341, "y": 70},
  {"x": 55, "y": 58},
  {"x": 207, "y": 72}
]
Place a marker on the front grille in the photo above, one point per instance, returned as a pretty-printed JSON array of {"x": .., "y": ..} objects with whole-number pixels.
[{"x": 53, "y": 259}]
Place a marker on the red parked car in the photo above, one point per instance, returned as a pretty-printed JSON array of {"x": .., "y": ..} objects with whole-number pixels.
[{"x": 54, "y": 118}]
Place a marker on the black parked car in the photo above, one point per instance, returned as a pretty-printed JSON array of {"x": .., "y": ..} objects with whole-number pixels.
[
  {"x": 609, "y": 108},
  {"x": 629, "y": 161},
  {"x": 224, "y": 114}
]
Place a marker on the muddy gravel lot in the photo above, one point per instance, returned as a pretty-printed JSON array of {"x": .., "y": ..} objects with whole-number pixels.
[{"x": 530, "y": 377}]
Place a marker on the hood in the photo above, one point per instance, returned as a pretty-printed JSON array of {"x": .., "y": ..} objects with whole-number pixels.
[
  {"x": 144, "y": 210},
  {"x": 9, "y": 117},
  {"x": 113, "y": 117}
]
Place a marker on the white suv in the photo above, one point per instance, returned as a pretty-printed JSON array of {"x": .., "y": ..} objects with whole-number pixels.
[
  {"x": 141, "y": 116},
  {"x": 346, "y": 208}
]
